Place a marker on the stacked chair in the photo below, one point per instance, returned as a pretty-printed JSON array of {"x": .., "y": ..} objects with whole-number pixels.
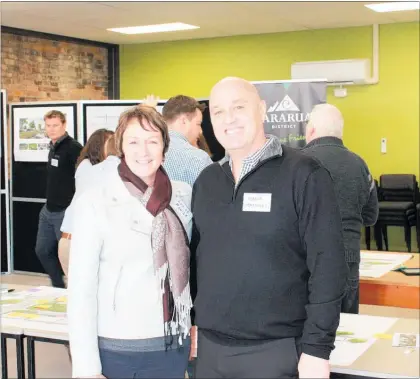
[{"x": 398, "y": 195}]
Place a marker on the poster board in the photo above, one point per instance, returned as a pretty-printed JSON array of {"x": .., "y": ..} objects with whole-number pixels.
[
  {"x": 105, "y": 114},
  {"x": 28, "y": 180},
  {"x": 30, "y": 142},
  {"x": 5, "y": 263},
  {"x": 95, "y": 115}
]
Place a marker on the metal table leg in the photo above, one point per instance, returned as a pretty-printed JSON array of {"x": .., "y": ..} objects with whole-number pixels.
[
  {"x": 20, "y": 355},
  {"x": 31, "y": 357},
  {"x": 4, "y": 371}
]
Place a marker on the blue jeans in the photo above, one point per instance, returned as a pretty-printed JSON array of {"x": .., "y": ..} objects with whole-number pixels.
[
  {"x": 149, "y": 364},
  {"x": 46, "y": 247}
]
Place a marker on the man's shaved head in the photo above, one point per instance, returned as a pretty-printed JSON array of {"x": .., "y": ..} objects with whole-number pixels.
[
  {"x": 237, "y": 114},
  {"x": 234, "y": 81}
]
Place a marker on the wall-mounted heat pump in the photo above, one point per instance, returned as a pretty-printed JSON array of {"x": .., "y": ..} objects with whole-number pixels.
[{"x": 354, "y": 71}]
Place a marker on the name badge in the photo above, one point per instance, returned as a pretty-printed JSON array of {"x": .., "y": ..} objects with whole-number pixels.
[
  {"x": 257, "y": 202},
  {"x": 54, "y": 162},
  {"x": 182, "y": 211}
]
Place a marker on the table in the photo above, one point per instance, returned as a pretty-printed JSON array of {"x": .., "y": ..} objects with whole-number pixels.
[
  {"x": 17, "y": 334},
  {"x": 394, "y": 289},
  {"x": 11, "y": 328},
  {"x": 41, "y": 335},
  {"x": 382, "y": 360},
  {"x": 13, "y": 331}
]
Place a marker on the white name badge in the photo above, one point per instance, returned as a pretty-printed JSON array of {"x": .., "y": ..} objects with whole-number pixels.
[
  {"x": 257, "y": 202},
  {"x": 54, "y": 162},
  {"x": 182, "y": 211}
]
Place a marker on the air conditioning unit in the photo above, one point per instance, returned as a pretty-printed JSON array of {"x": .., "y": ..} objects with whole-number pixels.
[{"x": 356, "y": 71}]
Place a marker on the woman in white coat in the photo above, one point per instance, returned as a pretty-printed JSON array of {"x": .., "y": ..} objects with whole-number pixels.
[{"x": 128, "y": 293}]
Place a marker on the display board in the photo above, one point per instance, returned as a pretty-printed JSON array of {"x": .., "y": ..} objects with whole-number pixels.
[
  {"x": 102, "y": 114},
  {"x": 95, "y": 115},
  {"x": 29, "y": 175},
  {"x": 5, "y": 194}
]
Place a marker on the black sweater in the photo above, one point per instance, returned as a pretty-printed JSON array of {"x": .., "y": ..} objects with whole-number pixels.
[
  {"x": 354, "y": 186},
  {"x": 269, "y": 275},
  {"x": 61, "y": 168}
]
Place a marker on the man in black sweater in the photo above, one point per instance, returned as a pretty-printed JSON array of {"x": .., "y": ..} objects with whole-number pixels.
[
  {"x": 271, "y": 271},
  {"x": 62, "y": 157},
  {"x": 354, "y": 187}
]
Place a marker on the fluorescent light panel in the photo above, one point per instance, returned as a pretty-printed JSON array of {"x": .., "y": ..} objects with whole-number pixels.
[
  {"x": 158, "y": 28},
  {"x": 394, "y": 6}
]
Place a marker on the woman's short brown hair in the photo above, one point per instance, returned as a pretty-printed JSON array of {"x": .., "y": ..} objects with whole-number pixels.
[{"x": 141, "y": 113}]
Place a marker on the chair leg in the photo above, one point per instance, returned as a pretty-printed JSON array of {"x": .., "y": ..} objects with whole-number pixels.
[
  {"x": 407, "y": 234},
  {"x": 378, "y": 236},
  {"x": 367, "y": 237},
  {"x": 385, "y": 233}
]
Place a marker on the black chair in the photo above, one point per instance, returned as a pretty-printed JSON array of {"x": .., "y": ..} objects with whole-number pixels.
[
  {"x": 367, "y": 228},
  {"x": 418, "y": 227},
  {"x": 397, "y": 206}
]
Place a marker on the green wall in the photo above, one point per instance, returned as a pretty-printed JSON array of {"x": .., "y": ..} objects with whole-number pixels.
[{"x": 389, "y": 109}]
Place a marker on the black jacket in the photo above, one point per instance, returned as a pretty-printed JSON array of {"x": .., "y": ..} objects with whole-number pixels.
[
  {"x": 354, "y": 186},
  {"x": 61, "y": 168},
  {"x": 275, "y": 274}
]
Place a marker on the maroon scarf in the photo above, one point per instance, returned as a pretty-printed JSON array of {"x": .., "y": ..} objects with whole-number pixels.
[{"x": 169, "y": 245}]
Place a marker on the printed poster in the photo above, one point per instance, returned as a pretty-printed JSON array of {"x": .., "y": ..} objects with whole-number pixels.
[{"x": 31, "y": 144}]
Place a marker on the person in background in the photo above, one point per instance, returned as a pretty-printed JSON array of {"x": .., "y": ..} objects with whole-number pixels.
[
  {"x": 202, "y": 144},
  {"x": 354, "y": 187},
  {"x": 271, "y": 272},
  {"x": 128, "y": 294},
  {"x": 184, "y": 161},
  {"x": 95, "y": 151},
  {"x": 61, "y": 167}
]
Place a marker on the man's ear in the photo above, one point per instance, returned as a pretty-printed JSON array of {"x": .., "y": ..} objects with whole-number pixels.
[{"x": 263, "y": 109}]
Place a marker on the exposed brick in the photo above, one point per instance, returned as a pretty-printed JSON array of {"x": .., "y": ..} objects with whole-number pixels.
[{"x": 38, "y": 69}]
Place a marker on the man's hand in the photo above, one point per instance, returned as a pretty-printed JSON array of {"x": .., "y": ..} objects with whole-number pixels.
[
  {"x": 151, "y": 100},
  {"x": 313, "y": 367},
  {"x": 193, "y": 350}
]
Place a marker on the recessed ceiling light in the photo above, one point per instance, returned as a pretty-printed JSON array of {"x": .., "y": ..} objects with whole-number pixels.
[
  {"x": 158, "y": 28},
  {"x": 394, "y": 7}
]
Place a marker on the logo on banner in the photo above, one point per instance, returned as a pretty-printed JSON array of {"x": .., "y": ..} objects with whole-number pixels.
[
  {"x": 285, "y": 114},
  {"x": 287, "y": 104}
]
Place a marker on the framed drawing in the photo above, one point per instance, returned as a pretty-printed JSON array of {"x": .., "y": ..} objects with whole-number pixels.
[{"x": 30, "y": 142}]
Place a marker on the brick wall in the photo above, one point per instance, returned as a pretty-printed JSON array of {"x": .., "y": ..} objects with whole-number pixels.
[{"x": 37, "y": 69}]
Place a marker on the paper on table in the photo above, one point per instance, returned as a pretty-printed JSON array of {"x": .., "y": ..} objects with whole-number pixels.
[
  {"x": 355, "y": 335},
  {"x": 406, "y": 340},
  {"x": 375, "y": 265}
]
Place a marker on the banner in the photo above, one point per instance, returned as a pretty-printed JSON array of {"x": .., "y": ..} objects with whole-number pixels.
[{"x": 288, "y": 107}]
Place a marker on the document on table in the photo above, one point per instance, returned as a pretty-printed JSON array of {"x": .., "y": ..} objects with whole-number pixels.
[
  {"x": 355, "y": 334},
  {"x": 406, "y": 340},
  {"x": 375, "y": 265}
]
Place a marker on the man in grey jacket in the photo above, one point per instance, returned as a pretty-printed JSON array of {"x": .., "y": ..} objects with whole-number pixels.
[{"x": 354, "y": 187}]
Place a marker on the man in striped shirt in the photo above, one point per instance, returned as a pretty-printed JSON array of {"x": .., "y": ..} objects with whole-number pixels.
[{"x": 183, "y": 161}]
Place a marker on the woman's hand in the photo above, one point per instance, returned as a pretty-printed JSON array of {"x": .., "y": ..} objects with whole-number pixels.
[
  {"x": 151, "y": 100},
  {"x": 193, "y": 349}
]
